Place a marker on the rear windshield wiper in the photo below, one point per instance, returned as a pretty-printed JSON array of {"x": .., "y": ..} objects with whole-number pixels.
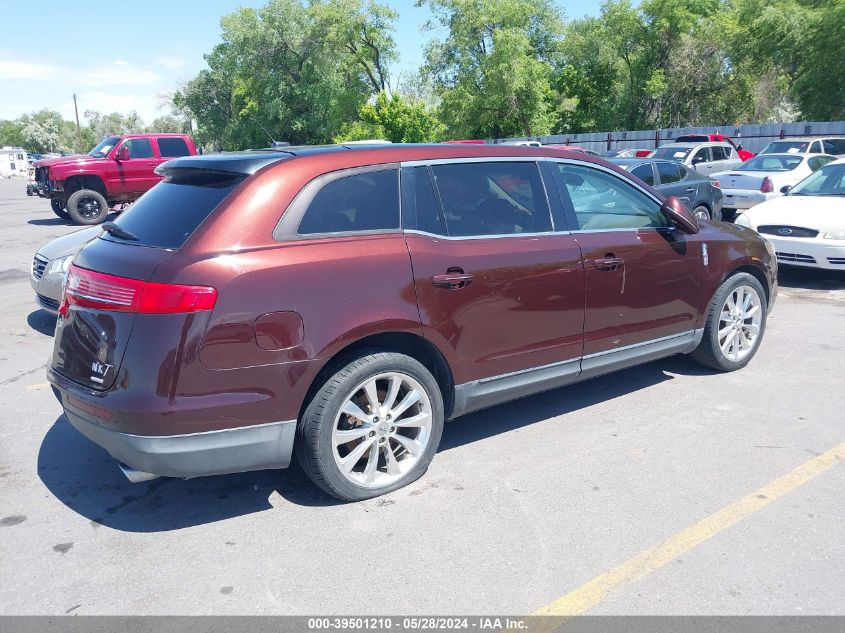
[{"x": 113, "y": 229}]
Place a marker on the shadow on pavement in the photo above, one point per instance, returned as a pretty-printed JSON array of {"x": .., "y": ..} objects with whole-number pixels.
[
  {"x": 87, "y": 480},
  {"x": 519, "y": 413},
  {"x": 50, "y": 222},
  {"x": 42, "y": 321},
  {"x": 811, "y": 278}
]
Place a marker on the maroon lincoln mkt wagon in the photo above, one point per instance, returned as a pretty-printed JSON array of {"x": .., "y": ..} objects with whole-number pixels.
[{"x": 340, "y": 303}]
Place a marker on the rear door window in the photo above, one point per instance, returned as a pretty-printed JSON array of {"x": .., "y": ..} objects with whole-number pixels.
[
  {"x": 168, "y": 213},
  {"x": 172, "y": 147},
  {"x": 644, "y": 173},
  {"x": 835, "y": 146},
  {"x": 492, "y": 198},
  {"x": 358, "y": 202},
  {"x": 702, "y": 155},
  {"x": 669, "y": 173}
]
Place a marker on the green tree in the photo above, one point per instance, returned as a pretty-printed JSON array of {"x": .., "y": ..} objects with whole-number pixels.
[
  {"x": 298, "y": 71},
  {"x": 47, "y": 131},
  {"x": 11, "y": 133},
  {"x": 493, "y": 70},
  {"x": 395, "y": 119},
  {"x": 169, "y": 123}
]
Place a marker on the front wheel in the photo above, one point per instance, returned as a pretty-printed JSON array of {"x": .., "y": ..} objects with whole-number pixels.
[
  {"x": 373, "y": 427},
  {"x": 58, "y": 208},
  {"x": 736, "y": 321},
  {"x": 87, "y": 206}
]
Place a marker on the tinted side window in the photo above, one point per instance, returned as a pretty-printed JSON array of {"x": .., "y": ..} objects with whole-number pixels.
[
  {"x": 492, "y": 198},
  {"x": 644, "y": 173},
  {"x": 604, "y": 201},
  {"x": 816, "y": 148},
  {"x": 669, "y": 172},
  {"x": 720, "y": 153},
  {"x": 361, "y": 202},
  {"x": 172, "y": 147},
  {"x": 139, "y": 147},
  {"x": 428, "y": 210},
  {"x": 818, "y": 162}
]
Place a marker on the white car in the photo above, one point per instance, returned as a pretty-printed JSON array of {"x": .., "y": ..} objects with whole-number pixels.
[
  {"x": 765, "y": 177},
  {"x": 705, "y": 158},
  {"x": 807, "y": 225}
]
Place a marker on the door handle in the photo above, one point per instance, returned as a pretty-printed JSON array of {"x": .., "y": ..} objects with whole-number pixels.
[
  {"x": 608, "y": 263},
  {"x": 690, "y": 189},
  {"x": 452, "y": 280}
]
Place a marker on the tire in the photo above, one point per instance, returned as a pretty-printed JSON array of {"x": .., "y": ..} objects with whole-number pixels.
[
  {"x": 58, "y": 208},
  {"x": 702, "y": 212},
  {"x": 717, "y": 352},
  {"x": 87, "y": 206},
  {"x": 329, "y": 462}
]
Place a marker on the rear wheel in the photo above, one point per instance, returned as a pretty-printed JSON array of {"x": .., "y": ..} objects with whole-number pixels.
[
  {"x": 87, "y": 206},
  {"x": 373, "y": 427},
  {"x": 736, "y": 321},
  {"x": 58, "y": 208},
  {"x": 702, "y": 212}
]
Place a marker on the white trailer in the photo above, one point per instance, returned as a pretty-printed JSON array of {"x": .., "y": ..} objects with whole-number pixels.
[{"x": 13, "y": 162}]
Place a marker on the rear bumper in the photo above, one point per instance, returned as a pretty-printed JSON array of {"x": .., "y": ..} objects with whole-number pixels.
[
  {"x": 742, "y": 199},
  {"x": 235, "y": 450}
]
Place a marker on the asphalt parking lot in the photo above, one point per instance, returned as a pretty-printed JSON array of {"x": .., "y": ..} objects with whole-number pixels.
[{"x": 664, "y": 489}]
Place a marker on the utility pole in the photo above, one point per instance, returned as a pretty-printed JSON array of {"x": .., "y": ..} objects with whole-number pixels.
[{"x": 78, "y": 129}]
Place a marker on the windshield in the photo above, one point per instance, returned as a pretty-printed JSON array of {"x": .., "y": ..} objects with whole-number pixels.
[
  {"x": 792, "y": 147},
  {"x": 827, "y": 181},
  {"x": 770, "y": 163},
  {"x": 104, "y": 147},
  {"x": 669, "y": 152}
]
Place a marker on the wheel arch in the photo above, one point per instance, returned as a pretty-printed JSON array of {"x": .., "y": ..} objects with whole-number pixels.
[
  {"x": 755, "y": 272},
  {"x": 85, "y": 181},
  {"x": 412, "y": 345}
]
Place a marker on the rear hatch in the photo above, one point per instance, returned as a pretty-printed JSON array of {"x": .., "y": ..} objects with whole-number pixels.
[{"x": 109, "y": 284}]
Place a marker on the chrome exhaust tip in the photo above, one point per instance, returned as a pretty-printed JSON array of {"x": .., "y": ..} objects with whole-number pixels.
[{"x": 136, "y": 476}]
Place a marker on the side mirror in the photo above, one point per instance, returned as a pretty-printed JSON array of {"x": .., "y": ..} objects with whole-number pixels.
[
  {"x": 123, "y": 154},
  {"x": 785, "y": 188},
  {"x": 677, "y": 213}
]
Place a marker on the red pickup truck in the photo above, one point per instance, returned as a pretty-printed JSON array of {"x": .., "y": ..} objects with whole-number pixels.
[{"x": 118, "y": 170}]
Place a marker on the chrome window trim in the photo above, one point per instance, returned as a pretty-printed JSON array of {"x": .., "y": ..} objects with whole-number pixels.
[
  {"x": 496, "y": 236},
  {"x": 428, "y": 162}
]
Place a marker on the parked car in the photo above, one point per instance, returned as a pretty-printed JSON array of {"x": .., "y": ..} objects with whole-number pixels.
[
  {"x": 833, "y": 145},
  {"x": 700, "y": 194},
  {"x": 50, "y": 264},
  {"x": 118, "y": 170},
  {"x": 522, "y": 143},
  {"x": 743, "y": 153},
  {"x": 807, "y": 225},
  {"x": 252, "y": 306},
  {"x": 627, "y": 153},
  {"x": 764, "y": 177},
  {"x": 705, "y": 158}
]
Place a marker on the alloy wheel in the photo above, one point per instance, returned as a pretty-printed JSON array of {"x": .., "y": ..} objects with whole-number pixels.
[
  {"x": 739, "y": 323},
  {"x": 382, "y": 429}
]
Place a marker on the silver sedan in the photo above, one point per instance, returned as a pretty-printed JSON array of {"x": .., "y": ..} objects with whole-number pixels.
[{"x": 50, "y": 264}]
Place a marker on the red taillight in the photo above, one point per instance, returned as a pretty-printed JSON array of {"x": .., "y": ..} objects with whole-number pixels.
[
  {"x": 767, "y": 187},
  {"x": 716, "y": 184},
  {"x": 89, "y": 289}
]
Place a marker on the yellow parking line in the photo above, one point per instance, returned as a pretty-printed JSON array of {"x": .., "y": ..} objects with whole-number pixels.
[{"x": 590, "y": 594}]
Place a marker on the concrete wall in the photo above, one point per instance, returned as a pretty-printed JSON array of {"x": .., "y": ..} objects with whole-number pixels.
[{"x": 752, "y": 137}]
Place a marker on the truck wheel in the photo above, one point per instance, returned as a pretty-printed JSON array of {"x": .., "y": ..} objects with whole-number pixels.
[
  {"x": 59, "y": 208},
  {"x": 87, "y": 207},
  {"x": 372, "y": 427}
]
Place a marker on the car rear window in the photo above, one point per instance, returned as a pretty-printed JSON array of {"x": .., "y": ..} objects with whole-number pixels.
[
  {"x": 172, "y": 147},
  {"x": 671, "y": 152},
  {"x": 167, "y": 214}
]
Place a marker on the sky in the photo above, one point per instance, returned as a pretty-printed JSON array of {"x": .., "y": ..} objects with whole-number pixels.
[{"x": 122, "y": 56}]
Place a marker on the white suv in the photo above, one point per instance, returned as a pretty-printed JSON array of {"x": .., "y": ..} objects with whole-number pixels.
[{"x": 705, "y": 158}]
